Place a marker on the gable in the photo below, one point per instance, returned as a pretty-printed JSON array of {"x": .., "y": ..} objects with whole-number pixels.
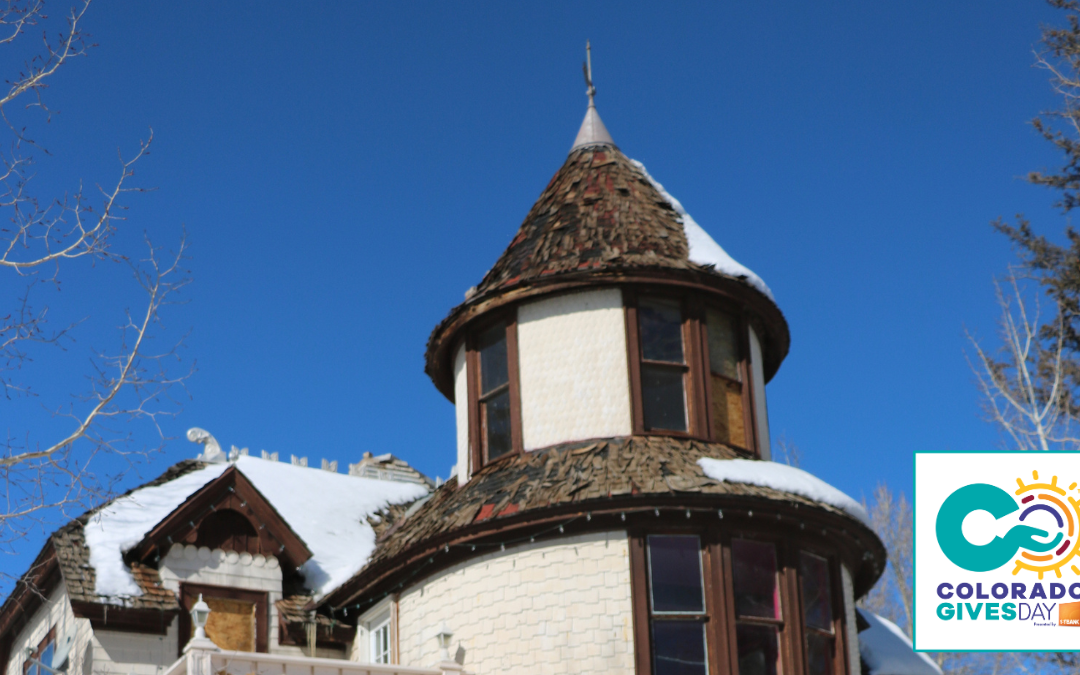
[{"x": 227, "y": 513}]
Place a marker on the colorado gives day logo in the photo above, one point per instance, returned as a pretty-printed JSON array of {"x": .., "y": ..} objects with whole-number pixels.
[{"x": 997, "y": 551}]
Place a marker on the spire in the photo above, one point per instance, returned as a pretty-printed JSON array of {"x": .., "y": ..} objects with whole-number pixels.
[{"x": 593, "y": 131}]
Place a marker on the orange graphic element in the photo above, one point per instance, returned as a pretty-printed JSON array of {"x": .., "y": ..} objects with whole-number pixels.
[
  {"x": 1037, "y": 558},
  {"x": 1069, "y": 614}
]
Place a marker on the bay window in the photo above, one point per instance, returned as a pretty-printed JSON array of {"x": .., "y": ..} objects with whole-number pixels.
[
  {"x": 706, "y": 603},
  {"x": 689, "y": 369}
]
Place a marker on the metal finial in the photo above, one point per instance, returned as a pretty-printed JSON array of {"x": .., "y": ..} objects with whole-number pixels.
[{"x": 587, "y": 67}]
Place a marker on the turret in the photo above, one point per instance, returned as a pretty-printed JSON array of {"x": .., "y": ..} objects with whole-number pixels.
[{"x": 611, "y": 313}]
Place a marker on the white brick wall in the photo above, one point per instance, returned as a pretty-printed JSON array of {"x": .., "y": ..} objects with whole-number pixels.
[
  {"x": 572, "y": 362},
  {"x": 552, "y": 607},
  {"x": 852, "y": 628}
]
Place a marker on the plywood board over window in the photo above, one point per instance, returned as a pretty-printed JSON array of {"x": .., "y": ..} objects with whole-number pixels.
[{"x": 238, "y": 618}]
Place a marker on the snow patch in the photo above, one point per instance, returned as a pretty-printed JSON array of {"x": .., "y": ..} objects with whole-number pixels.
[
  {"x": 703, "y": 249},
  {"x": 123, "y": 523},
  {"x": 327, "y": 510},
  {"x": 782, "y": 477},
  {"x": 885, "y": 649}
]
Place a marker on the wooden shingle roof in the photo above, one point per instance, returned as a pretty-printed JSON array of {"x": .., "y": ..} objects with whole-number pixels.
[
  {"x": 592, "y": 473},
  {"x": 598, "y": 211}
]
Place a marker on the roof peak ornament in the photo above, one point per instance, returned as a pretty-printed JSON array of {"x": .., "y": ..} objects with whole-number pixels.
[{"x": 593, "y": 131}]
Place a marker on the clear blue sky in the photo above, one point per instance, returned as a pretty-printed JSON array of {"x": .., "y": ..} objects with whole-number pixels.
[{"x": 346, "y": 170}]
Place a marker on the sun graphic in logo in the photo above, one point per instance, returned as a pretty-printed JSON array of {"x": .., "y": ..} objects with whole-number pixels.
[{"x": 1048, "y": 497}]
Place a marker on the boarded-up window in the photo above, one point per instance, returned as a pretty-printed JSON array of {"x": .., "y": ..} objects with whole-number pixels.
[
  {"x": 726, "y": 389},
  {"x": 232, "y": 624},
  {"x": 238, "y": 617}
]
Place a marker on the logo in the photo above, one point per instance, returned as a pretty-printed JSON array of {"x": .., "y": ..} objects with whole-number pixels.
[
  {"x": 1069, "y": 614},
  {"x": 1040, "y": 550}
]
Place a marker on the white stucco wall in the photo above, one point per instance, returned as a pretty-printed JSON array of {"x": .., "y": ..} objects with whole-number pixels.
[
  {"x": 200, "y": 565},
  {"x": 461, "y": 413},
  {"x": 761, "y": 409},
  {"x": 54, "y": 613},
  {"x": 852, "y": 629},
  {"x": 552, "y": 607},
  {"x": 572, "y": 363}
]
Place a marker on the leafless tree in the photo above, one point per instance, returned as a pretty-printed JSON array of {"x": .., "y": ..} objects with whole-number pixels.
[
  {"x": 1025, "y": 387},
  {"x": 42, "y": 237}
]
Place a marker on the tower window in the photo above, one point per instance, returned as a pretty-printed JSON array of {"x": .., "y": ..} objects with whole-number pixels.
[
  {"x": 677, "y": 605},
  {"x": 663, "y": 365},
  {"x": 494, "y": 406},
  {"x": 708, "y": 602},
  {"x": 688, "y": 365}
]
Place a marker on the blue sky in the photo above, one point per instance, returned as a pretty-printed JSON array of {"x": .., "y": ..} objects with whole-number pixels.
[{"x": 344, "y": 171}]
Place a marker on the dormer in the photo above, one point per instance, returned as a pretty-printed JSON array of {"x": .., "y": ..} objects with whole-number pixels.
[{"x": 611, "y": 313}]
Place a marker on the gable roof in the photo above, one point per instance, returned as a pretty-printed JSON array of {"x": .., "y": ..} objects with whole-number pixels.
[{"x": 102, "y": 555}]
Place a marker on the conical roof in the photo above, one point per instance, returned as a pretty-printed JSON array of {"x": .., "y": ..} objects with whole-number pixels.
[
  {"x": 603, "y": 218},
  {"x": 602, "y": 211}
]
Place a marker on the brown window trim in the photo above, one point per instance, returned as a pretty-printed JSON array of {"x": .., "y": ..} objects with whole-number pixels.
[
  {"x": 49, "y": 637},
  {"x": 477, "y": 451},
  {"x": 696, "y": 349},
  {"x": 722, "y": 650},
  {"x": 190, "y": 592}
]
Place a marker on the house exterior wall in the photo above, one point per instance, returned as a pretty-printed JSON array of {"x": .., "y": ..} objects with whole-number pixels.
[
  {"x": 573, "y": 369},
  {"x": 200, "y": 565},
  {"x": 761, "y": 410},
  {"x": 852, "y": 636},
  {"x": 550, "y": 607},
  {"x": 56, "y": 613},
  {"x": 461, "y": 414},
  {"x": 123, "y": 653}
]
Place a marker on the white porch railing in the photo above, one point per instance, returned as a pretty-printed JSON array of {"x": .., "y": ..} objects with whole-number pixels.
[{"x": 220, "y": 662}]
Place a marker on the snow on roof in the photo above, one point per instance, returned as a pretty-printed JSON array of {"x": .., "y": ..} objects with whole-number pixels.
[
  {"x": 703, "y": 249},
  {"x": 887, "y": 651},
  {"x": 782, "y": 477},
  {"x": 327, "y": 510}
]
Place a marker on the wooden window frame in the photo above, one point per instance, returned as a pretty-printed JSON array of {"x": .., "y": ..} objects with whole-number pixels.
[
  {"x": 258, "y": 598},
  {"x": 50, "y": 637},
  {"x": 477, "y": 447},
  {"x": 722, "y": 655},
  {"x": 698, "y": 393}
]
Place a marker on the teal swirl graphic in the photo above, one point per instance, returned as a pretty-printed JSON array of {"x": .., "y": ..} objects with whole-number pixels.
[{"x": 999, "y": 503}]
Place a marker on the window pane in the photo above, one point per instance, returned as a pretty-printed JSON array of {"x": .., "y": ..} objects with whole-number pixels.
[
  {"x": 759, "y": 649},
  {"x": 754, "y": 579},
  {"x": 817, "y": 599},
  {"x": 47, "y": 654},
  {"x": 723, "y": 348},
  {"x": 679, "y": 648},
  {"x": 661, "y": 330},
  {"x": 493, "y": 370},
  {"x": 675, "y": 574},
  {"x": 496, "y": 413},
  {"x": 819, "y": 654},
  {"x": 663, "y": 398}
]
